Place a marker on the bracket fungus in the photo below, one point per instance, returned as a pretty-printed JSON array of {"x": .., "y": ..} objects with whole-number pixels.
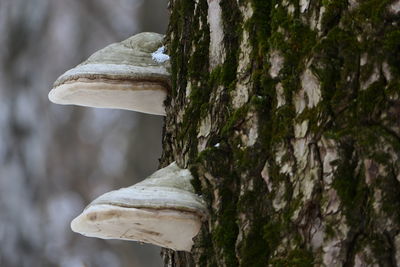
[
  {"x": 122, "y": 75},
  {"x": 162, "y": 210}
]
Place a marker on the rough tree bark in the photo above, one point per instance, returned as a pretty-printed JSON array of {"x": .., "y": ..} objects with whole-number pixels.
[{"x": 288, "y": 115}]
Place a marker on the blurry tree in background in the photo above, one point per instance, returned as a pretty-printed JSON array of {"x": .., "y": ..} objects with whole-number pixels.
[{"x": 55, "y": 159}]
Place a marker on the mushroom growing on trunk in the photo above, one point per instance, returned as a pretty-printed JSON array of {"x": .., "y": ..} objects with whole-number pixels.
[
  {"x": 132, "y": 75},
  {"x": 162, "y": 210}
]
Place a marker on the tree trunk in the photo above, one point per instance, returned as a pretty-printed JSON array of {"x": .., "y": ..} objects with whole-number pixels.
[{"x": 288, "y": 115}]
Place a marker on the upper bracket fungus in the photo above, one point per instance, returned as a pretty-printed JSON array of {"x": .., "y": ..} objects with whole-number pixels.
[
  {"x": 162, "y": 210},
  {"x": 122, "y": 75}
]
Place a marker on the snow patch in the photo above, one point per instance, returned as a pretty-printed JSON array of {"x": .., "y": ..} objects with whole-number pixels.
[{"x": 159, "y": 55}]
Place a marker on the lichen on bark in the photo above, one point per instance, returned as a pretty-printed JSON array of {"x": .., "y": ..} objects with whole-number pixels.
[{"x": 292, "y": 133}]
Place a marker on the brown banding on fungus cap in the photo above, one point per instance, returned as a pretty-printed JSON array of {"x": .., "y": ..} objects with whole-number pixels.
[
  {"x": 162, "y": 210},
  {"x": 123, "y": 75}
]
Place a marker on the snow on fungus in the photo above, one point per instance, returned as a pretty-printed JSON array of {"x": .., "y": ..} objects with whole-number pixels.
[{"x": 159, "y": 55}]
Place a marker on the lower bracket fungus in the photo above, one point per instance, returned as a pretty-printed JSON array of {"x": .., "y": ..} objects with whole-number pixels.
[
  {"x": 162, "y": 210},
  {"x": 122, "y": 75}
]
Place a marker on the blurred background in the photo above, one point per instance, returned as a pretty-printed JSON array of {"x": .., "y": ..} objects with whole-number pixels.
[{"x": 55, "y": 159}]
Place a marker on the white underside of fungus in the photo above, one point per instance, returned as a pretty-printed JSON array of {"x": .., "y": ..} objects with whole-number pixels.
[{"x": 145, "y": 97}]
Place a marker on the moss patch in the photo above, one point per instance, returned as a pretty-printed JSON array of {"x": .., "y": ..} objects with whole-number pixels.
[{"x": 295, "y": 258}]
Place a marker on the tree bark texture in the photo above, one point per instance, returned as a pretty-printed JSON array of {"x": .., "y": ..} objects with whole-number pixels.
[{"x": 288, "y": 115}]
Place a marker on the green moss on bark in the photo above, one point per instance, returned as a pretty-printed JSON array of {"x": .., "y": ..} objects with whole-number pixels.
[
  {"x": 240, "y": 203},
  {"x": 350, "y": 185},
  {"x": 295, "y": 258}
]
